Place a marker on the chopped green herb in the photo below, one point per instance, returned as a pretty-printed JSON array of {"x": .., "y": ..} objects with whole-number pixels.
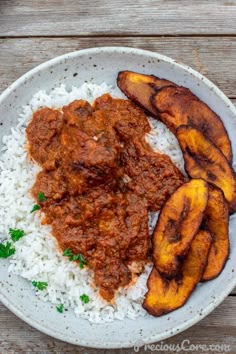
[
  {"x": 75, "y": 257},
  {"x": 6, "y": 250},
  {"x": 67, "y": 253},
  {"x": 41, "y": 197},
  {"x": 16, "y": 234},
  {"x": 60, "y": 308},
  {"x": 35, "y": 207},
  {"x": 82, "y": 261},
  {"x": 40, "y": 285},
  {"x": 84, "y": 298}
]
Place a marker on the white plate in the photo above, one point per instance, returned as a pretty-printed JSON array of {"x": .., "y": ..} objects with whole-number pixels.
[{"x": 97, "y": 65}]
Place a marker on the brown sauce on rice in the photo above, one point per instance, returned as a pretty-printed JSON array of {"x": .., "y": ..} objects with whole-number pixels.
[{"x": 100, "y": 178}]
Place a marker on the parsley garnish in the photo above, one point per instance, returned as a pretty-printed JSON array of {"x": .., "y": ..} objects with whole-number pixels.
[
  {"x": 82, "y": 261},
  {"x": 75, "y": 257},
  {"x": 41, "y": 197},
  {"x": 6, "y": 250},
  {"x": 16, "y": 234},
  {"x": 35, "y": 207},
  {"x": 40, "y": 285},
  {"x": 60, "y": 308},
  {"x": 68, "y": 253},
  {"x": 84, "y": 298}
]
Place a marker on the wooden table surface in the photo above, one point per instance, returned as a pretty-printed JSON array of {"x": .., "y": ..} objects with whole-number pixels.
[{"x": 199, "y": 33}]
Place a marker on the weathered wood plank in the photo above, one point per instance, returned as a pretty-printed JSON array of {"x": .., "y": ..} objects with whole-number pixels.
[
  {"x": 213, "y": 57},
  {"x": 218, "y": 328},
  {"x": 118, "y": 17}
]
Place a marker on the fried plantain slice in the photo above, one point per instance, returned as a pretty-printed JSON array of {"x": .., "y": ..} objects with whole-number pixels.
[
  {"x": 204, "y": 160},
  {"x": 139, "y": 88},
  {"x": 216, "y": 221},
  {"x": 179, "y": 106},
  {"x": 178, "y": 223},
  {"x": 165, "y": 295}
]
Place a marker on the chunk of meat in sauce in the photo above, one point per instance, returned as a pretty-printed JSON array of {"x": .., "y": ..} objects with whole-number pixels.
[
  {"x": 123, "y": 115},
  {"x": 153, "y": 176},
  {"x": 88, "y": 153},
  {"x": 43, "y": 133},
  {"x": 52, "y": 184},
  {"x": 85, "y": 140}
]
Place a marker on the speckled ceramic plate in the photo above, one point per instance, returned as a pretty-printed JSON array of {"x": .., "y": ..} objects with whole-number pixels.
[{"x": 97, "y": 65}]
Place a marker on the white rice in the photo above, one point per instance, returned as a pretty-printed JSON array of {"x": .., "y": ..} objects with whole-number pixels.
[{"x": 37, "y": 257}]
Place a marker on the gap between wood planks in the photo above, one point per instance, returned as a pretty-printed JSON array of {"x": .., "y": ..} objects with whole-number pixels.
[{"x": 126, "y": 35}]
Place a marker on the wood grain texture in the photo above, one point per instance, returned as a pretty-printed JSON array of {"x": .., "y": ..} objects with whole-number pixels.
[
  {"x": 213, "y": 57},
  {"x": 146, "y": 17},
  {"x": 217, "y": 328}
]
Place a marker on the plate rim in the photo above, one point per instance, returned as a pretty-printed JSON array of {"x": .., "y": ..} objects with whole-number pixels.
[{"x": 207, "y": 310}]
